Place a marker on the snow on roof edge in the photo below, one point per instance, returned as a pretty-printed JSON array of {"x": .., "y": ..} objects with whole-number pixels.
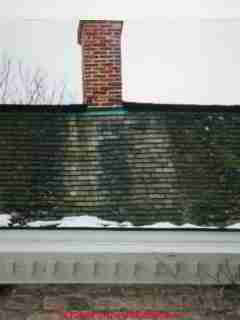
[{"x": 95, "y": 222}]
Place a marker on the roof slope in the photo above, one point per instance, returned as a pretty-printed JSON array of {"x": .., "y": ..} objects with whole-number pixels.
[{"x": 143, "y": 163}]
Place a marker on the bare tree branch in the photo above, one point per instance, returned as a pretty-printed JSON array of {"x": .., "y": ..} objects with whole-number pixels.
[{"x": 20, "y": 85}]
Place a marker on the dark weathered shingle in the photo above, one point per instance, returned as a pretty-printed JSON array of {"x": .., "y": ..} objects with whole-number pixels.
[{"x": 141, "y": 163}]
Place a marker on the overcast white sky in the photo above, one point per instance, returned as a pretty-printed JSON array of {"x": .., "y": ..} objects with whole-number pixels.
[{"x": 175, "y": 51}]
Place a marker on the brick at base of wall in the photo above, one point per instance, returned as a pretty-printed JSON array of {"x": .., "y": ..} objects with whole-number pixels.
[{"x": 48, "y": 302}]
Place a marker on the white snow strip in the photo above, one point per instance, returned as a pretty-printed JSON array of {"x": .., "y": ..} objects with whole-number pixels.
[
  {"x": 234, "y": 226},
  {"x": 189, "y": 225},
  {"x": 167, "y": 225},
  {"x": 160, "y": 225},
  {"x": 126, "y": 224},
  {"x": 86, "y": 221},
  {"x": 4, "y": 220},
  {"x": 37, "y": 224},
  {"x": 95, "y": 222}
]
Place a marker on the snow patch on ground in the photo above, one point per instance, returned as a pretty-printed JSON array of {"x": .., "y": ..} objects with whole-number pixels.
[{"x": 95, "y": 222}]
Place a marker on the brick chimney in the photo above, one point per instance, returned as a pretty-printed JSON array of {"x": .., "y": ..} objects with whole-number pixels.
[{"x": 101, "y": 61}]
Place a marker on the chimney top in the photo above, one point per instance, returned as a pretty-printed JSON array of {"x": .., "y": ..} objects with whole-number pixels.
[
  {"x": 101, "y": 61},
  {"x": 82, "y": 22}
]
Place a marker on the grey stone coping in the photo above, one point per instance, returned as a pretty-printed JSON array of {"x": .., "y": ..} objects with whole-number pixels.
[{"x": 104, "y": 256}]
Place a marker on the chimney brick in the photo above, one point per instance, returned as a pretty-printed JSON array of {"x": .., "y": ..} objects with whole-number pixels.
[{"x": 101, "y": 61}]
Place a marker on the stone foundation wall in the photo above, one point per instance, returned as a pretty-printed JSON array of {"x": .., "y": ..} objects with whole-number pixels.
[{"x": 48, "y": 302}]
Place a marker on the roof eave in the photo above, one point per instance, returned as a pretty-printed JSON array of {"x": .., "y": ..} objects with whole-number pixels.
[{"x": 103, "y": 256}]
